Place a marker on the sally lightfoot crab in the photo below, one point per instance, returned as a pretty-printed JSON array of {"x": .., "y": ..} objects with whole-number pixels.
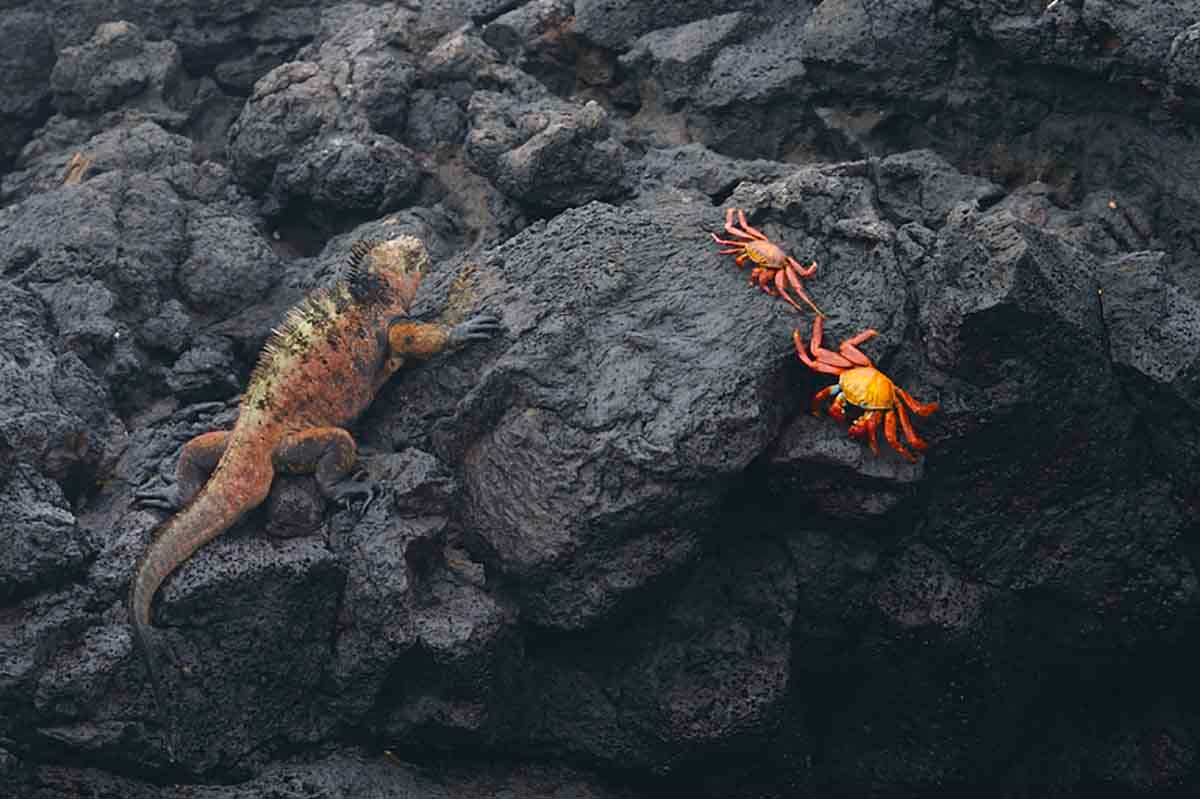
[
  {"x": 774, "y": 270},
  {"x": 863, "y": 386}
]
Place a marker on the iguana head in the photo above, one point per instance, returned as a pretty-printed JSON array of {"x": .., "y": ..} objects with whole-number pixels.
[{"x": 391, "y": 268}]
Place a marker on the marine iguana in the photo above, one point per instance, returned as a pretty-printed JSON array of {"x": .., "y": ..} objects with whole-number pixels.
[{"x": 319, "y": 370}]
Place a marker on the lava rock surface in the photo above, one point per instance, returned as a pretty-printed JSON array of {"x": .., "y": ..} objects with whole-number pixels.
[{"x": 617, "y": 557}]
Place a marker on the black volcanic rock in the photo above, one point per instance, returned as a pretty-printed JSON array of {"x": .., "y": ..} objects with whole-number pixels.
[
  {"x": 615, "y": 554},
  {"x": 112, "y": 69},
  {"x": 548, "y": 155},
  {"x": 25, "y": 69}
]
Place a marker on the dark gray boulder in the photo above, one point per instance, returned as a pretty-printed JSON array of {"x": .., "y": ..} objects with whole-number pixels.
[
  {"x": 24, "y": 69},
  {"x": 549, "y": 155},
  {"x": 115, "y": 66},
  {"x": 290, "y": 139}
]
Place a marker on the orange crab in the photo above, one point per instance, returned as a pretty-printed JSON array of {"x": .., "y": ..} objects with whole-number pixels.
[
  {"x": 863, "y": 386},
  {"x": 773, "y": 269}
]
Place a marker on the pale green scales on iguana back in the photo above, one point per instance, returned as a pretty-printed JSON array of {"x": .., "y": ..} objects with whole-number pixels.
[{"x": 320, "y": 369}]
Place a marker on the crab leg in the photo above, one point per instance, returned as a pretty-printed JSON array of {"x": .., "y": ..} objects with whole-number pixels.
[
  {"x": 803, "y": 271},
  {"x": 909, "y": 432},
  {"x": 729, "y": 228},
  {"x": 873, "y": 430},
  {"x": 820, "y": 397},
  {"x": 755, "y": 232},
  {"x": 787, "y": 297},
  {"x": 761, "y": 277},
  {"x": 727, "y": 242},
  {"x": 850, "y": 351},
  {"x": 889, "y": 432},
  {"x": 820, "y": 353},
  {"x": 781, "y": 275},
  {"x": 920, "y": 409},
  {"x": 796, "y": 287},
  {"x": 817, "y": 364}
]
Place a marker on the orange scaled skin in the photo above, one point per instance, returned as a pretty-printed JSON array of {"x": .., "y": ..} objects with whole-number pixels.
[
  {"x": 863, "y": 386},
  {"x": 774, "y": 270}
]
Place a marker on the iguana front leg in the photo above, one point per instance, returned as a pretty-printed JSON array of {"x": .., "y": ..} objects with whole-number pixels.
[
  {"x": 196, "y": 462},
  {"x": 407, "y": 339}
]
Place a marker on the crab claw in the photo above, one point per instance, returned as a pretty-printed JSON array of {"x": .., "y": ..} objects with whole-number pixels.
[
  {"x": 821, "y": 396},
  {"x": 837, "y": 409}
]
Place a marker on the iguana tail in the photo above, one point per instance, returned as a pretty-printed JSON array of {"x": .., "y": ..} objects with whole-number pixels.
[
  {"x": 144, "y": 643},
  {"x": 213, "y": 511}
]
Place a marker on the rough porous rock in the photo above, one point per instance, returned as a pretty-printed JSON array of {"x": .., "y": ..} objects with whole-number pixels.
[
  {"x": 550, "y": 155},
  {"x": 290, "y": 140},
  {"x": 616, "y": 23},
  {"x": 25, "y": 70},
  {"x": 536, "y": 36},
  {"x": 45, "y": 546},
  {"x": 112, "y": 68},
  {"x": 1183, "y": 63},
  {"x": 137, "y": 145},
  {"x": 56, "y": 413},
  {"x": 352, "y": 775},
  {"x": 615, "y": 553}
]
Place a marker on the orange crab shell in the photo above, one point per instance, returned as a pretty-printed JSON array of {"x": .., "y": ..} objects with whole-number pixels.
[
  {"x": 868, "y": 388},
  {"x": 864, "y": 386},
  {"x": 764, "y": 253}
]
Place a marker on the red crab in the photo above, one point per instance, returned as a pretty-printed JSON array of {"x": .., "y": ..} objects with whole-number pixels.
[
  {"x": 773, "y": 269},
  {"x": 864, "y": 386}
]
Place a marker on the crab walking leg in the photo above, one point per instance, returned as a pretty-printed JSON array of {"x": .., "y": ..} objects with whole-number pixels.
[
  {"x": 797, "y": 287},
  {"x": 815, "y": 365},
  {"x": 803, "y": 271},
  {"x": 745, "y": 234},
  {"x": 781, "y": 276},
  {"x": 820, "y": 353},
  {"x": 910, "y": 432},
  {"x": 889, "y": 432},
  {"x": 755, "y": 232},
  {"x": 761, "y": 276},
  {"x": 850, "y": 351},
  {"x": 873, "y": 430},
  {"x": 920, "y": 409}
]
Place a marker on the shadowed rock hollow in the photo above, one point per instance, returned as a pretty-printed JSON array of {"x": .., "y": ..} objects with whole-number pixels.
[{"x": 617, "y": 558}]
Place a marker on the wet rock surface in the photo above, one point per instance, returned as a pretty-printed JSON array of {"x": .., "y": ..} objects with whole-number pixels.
[{"x": 615, "y": 555}]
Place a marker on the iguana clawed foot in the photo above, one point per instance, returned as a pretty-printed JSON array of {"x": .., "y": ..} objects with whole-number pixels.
[
  {"x": 478, "y": 328},
  {"x": 165, "y": 498},
  {"x": 357, "y": 488}
]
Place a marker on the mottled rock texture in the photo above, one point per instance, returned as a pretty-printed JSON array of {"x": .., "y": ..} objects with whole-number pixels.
[{"x": 617, "y": 557}]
